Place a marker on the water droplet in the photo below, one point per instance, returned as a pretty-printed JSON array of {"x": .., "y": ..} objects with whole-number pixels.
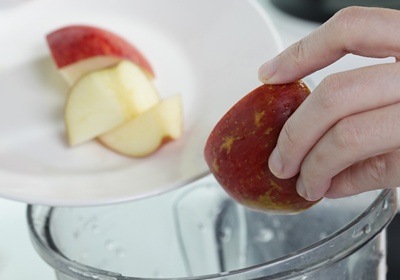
[
  {"x": 281, "y": 235},
  {"x": 381, "y": 255},
  {"x": 304, "y": 277},
  {"x": 120, "y": 252},
  {"x": 357, "y": 234},
  {"x": 264, "y": 235},
  {"x": 84, "y": 256},
  {"x": 242, "y": 258},
  {"x": 323, "y": 235},
  {"x": 76, "y": 234},
  {"x": 109, "y": 244},
  {"x": 226, "y": 234},
  {"x": 331, "y": 245},
  {"x": 95, "y": 228},
  {"x": 367, "y": 228},
  {"x": 276, "y": 222},
  {"x": 385, "y": 204}
]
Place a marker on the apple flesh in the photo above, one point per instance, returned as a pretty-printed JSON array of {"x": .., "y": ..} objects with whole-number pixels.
[
  {"x": 80, "y": 49},
  {"x": 146, "y": 133},
  {"x": 239, "y": 146},
  {"x": 104, "y": 99}
]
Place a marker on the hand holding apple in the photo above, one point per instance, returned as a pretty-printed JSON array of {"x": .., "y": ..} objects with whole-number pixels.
[{"x": 239, "y": 146}]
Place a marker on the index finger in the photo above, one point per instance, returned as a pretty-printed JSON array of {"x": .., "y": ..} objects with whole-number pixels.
[{"x": 370, "y": 32}]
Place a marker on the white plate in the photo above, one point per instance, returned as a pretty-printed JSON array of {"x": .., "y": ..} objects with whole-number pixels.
[{"x": 209, "y": 51}]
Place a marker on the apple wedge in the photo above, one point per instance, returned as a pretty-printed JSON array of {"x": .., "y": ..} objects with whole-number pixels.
[
  {"x": 104, "y": 99},
  {"x": 146, "y": 133},
  {"x": 80, "y": 49}
]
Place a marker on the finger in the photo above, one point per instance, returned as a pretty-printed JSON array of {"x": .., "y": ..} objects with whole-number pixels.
[
  {"x": 355, "y": 30},
  {"x": 353, "y": 139},
  {"x": 338, "y": 96},
  {"x": 379, "y": 172}
]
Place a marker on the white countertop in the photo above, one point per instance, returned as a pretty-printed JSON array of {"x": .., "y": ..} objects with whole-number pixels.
[{"x": 18, "y": 259}]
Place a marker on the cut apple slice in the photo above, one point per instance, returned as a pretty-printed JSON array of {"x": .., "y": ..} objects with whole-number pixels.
[
  {"x": 73, "y": 72},
  {"x": 146, "y": 133},
  {"x": 80, "y": 49},
  {"x": 104, "y": 99}
]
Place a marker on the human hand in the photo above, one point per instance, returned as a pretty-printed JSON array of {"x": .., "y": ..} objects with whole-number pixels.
[{"x": 345, "y": 137}]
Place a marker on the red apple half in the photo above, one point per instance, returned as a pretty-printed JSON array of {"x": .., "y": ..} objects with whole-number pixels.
[
  {"x": 239, "y": 146},
  {"x": 79, "y": 49}
]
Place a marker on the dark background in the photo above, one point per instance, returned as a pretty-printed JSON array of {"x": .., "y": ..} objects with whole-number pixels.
[
  {"x": 321, "y": 10},
  {"x": 393, "y": 249}
]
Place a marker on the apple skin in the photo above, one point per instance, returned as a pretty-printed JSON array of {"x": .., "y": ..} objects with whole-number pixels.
[
  {"x": 239, "y": 146},
  {"x": 75, "y": 43}
]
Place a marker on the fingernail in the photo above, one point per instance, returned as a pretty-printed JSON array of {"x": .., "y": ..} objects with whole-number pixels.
[
  {"x": 275, "y": 163},
  {"x": 301, "y": 190},
  {"x": 268, "y": 70}
]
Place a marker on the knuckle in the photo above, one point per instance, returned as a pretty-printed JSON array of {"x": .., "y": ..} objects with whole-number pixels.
[
  {"x": 349, "y": 184},
  {"x": 376, "y": 169},
  {"x": 347, "y": 137},
  {"x": 289, "y": 136},
  {"x": 331, "y": 91},
  {"x": 349, "y": 21},
  {"x": 312, "y": 177},
  {"x": 299, "y": 49},
  {"x": 297, "y": 54},
  {"x": 348, "y": 18}
]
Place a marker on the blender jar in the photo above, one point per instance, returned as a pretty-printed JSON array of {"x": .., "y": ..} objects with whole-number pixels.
[{"x": 198, "y": 232}]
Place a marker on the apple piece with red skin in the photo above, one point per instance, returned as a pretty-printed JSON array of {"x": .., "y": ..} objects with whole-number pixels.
[
  {"x": 79, "y": 49},
  {"x": 239, "y": 146}
]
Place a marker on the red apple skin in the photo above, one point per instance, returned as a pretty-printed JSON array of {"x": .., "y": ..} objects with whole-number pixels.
[
  {"x": 239, "y": 146},
  {"x": 73, "y": 43}
]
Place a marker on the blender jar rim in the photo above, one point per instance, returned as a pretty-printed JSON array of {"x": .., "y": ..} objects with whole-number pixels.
[{"x": 351, "y": 237}]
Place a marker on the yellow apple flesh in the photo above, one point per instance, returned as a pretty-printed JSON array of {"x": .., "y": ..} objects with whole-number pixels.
[
  {"x": 72, "y": 72},
  {"x": 104, "y": 99},
  {"x": 146, "y": 133}
]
